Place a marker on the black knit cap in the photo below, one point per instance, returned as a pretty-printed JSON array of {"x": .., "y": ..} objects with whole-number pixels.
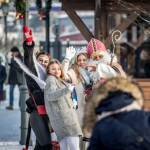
[{"x": 15, "y": 49}]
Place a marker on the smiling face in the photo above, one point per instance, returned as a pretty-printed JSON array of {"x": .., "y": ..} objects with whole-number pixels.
[
  {"x": 82, "y": 61},
  {"x": 54, "y": 69},
  {"x": 98, "y": 57},
  {"x": 43, "y": 60}
]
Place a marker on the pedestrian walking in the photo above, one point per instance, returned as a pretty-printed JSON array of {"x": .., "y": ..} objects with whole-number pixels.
[
  {"x": 2, "y": 79},
  {"x": 115, "y": 117},
  {"x": 60, "y": 107},
  {"x": 15, "y": 77}
]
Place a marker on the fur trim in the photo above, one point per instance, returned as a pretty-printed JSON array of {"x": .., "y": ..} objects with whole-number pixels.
[
  {"x": 133, "y": 106},
  {"x": 102, "y": 92}
]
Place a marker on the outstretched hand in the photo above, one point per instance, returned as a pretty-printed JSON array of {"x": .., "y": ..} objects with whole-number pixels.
[
  {"x": 93, "y": 67},
  {"x": 28, "y": 36},
  {"x": 70, "y": 52},
  {"x": 74, "y": 84}
]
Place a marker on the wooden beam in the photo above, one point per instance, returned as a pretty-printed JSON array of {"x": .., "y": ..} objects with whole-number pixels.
[
  {"x": 122, "y": 27},
  {"x": 73, "y": 1},
  {"x": 109, "y": 6},
  {"x": 97, "y": 19},
  {"x": 80, "y": 25},
  {"x": 103, "y": 26},
  {"x": 143, "y": 37},
  {"x": 78, "y": 6},
  {"x": 115, "y": 7}
]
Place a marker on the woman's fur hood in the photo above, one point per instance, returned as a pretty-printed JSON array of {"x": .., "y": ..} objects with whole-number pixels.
[{"x": 102, "y": 92}]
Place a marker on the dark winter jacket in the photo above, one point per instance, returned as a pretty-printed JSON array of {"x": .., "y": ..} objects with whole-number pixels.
[
  {"x": 15, "y": 73},
  {"x": 2, "y": 77},
  {"x": 34, "y": 88},
  {"x": 114, "y": 131}
]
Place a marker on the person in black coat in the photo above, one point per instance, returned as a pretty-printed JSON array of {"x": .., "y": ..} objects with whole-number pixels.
[
  {"x": 2, "y": 79},
  {"x": 15, "y": 77},
  {"x": 39, "y": 123},
  {"x": 115, "y": 117}
]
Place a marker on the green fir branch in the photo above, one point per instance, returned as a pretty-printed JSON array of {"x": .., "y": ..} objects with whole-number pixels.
[
  {"x": 19, "y": 5},
  {"x": 39, "y": 5},
  {"x": 47, "y": 7}
]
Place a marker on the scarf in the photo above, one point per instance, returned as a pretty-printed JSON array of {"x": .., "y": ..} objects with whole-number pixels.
[{"x": 86, "y": 79}]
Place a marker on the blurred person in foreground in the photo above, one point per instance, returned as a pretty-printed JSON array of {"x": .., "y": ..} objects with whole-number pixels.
[
  {"x": 15, "y": 76},
  {"x": 115, "y": 117},
  {"x": 2, "y": 79}
]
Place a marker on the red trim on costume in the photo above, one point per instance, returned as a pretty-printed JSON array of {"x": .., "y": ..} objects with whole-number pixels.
[{"x": 111, "y": 61}]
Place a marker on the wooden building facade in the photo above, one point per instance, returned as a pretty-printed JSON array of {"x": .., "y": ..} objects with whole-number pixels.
[{"x": 130, "y": 18}]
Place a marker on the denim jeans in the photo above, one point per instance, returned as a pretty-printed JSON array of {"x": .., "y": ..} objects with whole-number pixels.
[{"x": 11, "y": 93}]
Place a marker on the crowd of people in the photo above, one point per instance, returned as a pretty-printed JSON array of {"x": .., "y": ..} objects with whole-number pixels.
[{"x": 92, "y": 99}]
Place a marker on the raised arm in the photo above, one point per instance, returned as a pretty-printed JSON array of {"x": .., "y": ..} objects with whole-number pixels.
[
  {"x": 52, "y": 93},
  {"x": 69, "y": 74},
  {"x": 28, "y": 47}
]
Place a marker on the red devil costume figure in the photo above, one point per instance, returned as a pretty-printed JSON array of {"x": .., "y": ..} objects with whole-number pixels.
[{"x": 35, "y": 69}]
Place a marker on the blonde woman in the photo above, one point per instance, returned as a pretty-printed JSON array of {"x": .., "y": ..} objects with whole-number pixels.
[
  {"x": 77, "y": 74},
  {"x": 60, "y": 107}
]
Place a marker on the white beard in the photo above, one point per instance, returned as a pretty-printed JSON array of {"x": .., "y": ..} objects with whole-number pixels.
[{"x": 105, "y": 60}]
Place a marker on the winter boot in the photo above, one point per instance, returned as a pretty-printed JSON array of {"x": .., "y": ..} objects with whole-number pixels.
[
  {"x": 37, "y": 147},
  {"x": 10, "y": 107},
  {"x": 47, "y": 147}
]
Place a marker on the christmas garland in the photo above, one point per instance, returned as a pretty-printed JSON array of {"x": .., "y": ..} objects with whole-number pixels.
[
  {"x": 20, "y": 7},
  {"x": 45, "y": 10}
]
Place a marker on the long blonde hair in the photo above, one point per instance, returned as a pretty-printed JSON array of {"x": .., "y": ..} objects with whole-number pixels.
[
  {"x": 55, "y": 61},
  {"x": 75, "y": 67}
]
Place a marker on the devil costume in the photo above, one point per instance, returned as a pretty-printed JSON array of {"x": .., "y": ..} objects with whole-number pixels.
[{"x": 39, "y": 123}]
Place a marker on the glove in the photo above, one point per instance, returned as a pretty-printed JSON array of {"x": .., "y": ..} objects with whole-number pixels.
[
  {"x": 70, "y": 52},
  {"x": 28, "y": 36}
]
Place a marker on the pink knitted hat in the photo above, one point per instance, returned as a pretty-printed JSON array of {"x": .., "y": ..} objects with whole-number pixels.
[{"x": 95, "y": 48}]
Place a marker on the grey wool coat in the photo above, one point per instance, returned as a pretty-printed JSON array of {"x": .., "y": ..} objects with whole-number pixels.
[{"x": 60, "y": 109}]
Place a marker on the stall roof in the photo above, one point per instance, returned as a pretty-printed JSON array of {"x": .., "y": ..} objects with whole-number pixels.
[{"x": 108, "y": 5}]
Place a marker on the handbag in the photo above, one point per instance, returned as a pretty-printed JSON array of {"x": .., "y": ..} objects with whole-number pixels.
[
  {"x": 19, "y": 77},
  {"x": 41, "y": 108},
  {"x": 138, "y": 138}
]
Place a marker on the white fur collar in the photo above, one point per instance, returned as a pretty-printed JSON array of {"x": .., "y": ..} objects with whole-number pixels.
[{"x": 132, "y": 106}]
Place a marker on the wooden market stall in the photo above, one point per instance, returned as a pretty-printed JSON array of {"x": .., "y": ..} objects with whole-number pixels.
[{"x": 103, "y": 9}]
